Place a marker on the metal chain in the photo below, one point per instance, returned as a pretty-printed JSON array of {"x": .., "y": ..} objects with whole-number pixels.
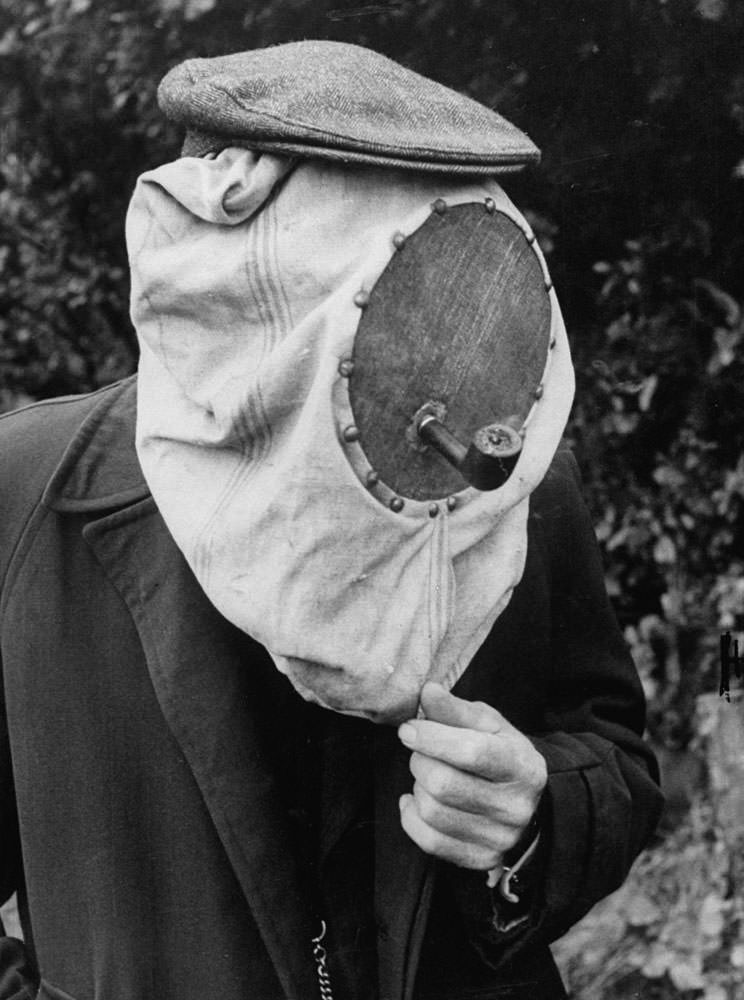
[{"x": 320, "y": 956}]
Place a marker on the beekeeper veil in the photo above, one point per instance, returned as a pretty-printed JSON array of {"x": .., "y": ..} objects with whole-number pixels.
[{"x": 353, "y": 372}]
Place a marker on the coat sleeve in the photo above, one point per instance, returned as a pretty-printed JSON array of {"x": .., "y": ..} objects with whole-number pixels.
[
  {"x": 18, "y": 980},
  {"x": 602, "y": 801},
  {"x": 30, "y": 447}
]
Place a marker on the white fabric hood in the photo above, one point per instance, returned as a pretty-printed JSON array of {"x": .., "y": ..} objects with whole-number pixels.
[{"x": 245, "y": 269}]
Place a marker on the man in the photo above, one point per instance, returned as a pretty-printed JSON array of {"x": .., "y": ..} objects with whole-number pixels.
[{"x": 182, "y": 819}]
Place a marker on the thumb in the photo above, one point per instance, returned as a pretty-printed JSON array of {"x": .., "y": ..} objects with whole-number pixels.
[{"x": 438, "y": 705}]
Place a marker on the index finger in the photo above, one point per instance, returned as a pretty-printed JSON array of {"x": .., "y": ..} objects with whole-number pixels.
[
  {"x": 440, "y": 705},
  {"x": 487, "y": 755}
]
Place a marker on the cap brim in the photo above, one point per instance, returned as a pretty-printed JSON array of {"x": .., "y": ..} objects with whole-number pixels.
[{"x": 201, "y": 144}]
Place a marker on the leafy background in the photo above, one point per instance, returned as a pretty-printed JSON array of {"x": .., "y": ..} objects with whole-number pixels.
[{"x": 638, "y": 106}]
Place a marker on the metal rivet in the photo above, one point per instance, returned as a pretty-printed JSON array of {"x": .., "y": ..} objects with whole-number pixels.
[
  {"x": 548, "y": 285},
  {"x": 490, "y": 205},
  {"x": 346, "y": 367},
  {"x": 552, "y": 343},
  {"x": 451, "y": 503},
  {"x": 351, "y": 433},
  {"x": 396, "y": 504},
  {"x": 433, "y": 509},
  {"x": 399, "y": 241},
  {"x": 439, "y": 206},
  {"x": 539, "y": 392},
  {"x": 361, "y": 299},
  {"x": 372, "y": 478}
]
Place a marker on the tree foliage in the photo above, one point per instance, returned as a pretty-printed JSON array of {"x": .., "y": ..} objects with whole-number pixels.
[{"x": 673, "y": 931}]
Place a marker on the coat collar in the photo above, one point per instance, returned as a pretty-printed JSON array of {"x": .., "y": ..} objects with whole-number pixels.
[
  {"x": 201, "y": 673},
  {"x": 99, "y": 470}
]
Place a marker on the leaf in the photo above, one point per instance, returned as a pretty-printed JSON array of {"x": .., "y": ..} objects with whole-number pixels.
[
  {"x": 9, "y": 42},
  {"x": 642, "y": 911},
  {"x": 711, "y": 916},
  {"x": 725, "y": 353},
  {"x": 711, "y": 10},
  {"x": 725, "y": 303},
  {"x": 658, "y": 962},
  {"x": 665, "y": 552},
  {"x": 687, "y": 975},
  {"x": 737, "y": 956},
  {"x": 647, "y": 392},
  {"x": 191, "y": 9},
  {"x": 715, "y": 991},
  {"x": 667, "y": 475},
  {"x": 195, "y": 8}
]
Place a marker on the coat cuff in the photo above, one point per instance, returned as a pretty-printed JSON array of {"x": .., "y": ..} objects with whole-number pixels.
[{"x": 590, "y": 834}]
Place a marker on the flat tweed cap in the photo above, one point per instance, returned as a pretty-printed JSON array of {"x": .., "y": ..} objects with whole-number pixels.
[{"x": 336, "y": 101}]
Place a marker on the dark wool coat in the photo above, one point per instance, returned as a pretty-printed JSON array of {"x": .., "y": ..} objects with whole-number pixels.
[{"x": 140, "y": 817}]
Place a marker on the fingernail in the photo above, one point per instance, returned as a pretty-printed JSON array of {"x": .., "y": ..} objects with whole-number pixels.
[{"x": 407, "y": 734}]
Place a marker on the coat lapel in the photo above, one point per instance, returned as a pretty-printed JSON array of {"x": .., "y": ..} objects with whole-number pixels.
[
  {"x": 404, "y": 875},
  {"x": 202, "y": 677}
]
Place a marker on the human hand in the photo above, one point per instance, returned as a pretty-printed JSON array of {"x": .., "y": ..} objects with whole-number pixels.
[{"x": 478, "y": 781}]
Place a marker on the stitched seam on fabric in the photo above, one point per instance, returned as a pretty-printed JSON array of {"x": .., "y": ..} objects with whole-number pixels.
[
  {"x": 439, "y": 584},
  {"x": 262, "y": 293},
  {"x": 456, "y": 671},
  {"x": 273, "y": 275},
  {"x": 278, "y": 272}
]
